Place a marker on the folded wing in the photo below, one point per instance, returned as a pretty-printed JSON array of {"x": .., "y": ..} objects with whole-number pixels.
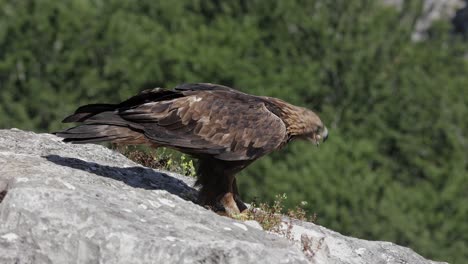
[
  {"x": 222, "y": 123},
  {"x": 199, "y": 119}
]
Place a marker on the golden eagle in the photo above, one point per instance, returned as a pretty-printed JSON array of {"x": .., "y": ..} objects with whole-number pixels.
[{"x": 223, "y": 128}]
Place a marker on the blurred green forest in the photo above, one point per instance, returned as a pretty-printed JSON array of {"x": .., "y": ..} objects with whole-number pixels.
[{"x": 396, "y": 164}]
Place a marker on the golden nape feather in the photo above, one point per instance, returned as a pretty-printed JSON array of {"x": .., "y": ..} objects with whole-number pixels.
[{"x": 223, "y": 128}]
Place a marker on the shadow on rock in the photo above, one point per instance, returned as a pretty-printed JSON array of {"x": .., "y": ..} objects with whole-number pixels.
[{"x": 137, "y": 177}]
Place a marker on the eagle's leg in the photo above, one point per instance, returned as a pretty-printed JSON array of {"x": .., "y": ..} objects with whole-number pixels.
[
  {"x": 219, "y": 189},
  {"x": 229, "y": 204},
  {"x": 220, "y": 197},
  {"x": 241, "y": 205},
  {"x": 218, "y": 194},
  {"x": 226, "y": 198}
]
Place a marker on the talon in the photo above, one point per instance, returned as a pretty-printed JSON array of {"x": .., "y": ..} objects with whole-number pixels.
[{"x": 229, "y": 204}]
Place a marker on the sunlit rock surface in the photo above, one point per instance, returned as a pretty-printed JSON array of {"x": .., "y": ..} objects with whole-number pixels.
[{"x": 64, "y": 203}]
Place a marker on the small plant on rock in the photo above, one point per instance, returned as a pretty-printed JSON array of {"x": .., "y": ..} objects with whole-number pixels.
[{"x": 159, "y": 159}]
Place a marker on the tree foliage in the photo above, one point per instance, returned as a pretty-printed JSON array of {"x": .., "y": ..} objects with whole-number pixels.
[{"x": 396, "y": 164}]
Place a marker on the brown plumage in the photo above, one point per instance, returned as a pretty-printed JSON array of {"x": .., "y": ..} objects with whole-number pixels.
[{"x": 222, "y": 127}]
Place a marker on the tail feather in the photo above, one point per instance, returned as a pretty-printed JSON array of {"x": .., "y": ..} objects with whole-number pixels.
[
  {"x": 101, "y": 127},
  {"x": 88, "y": 111},
  {"x": 93, "y": 133},
  {"x": 102, "y": 122}
]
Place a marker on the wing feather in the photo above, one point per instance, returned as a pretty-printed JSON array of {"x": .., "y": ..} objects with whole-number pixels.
[{"x": 227, "y": 124}]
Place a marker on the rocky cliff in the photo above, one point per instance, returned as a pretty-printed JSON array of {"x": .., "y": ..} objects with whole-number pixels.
[
  {"x": 432, "y": 10},
  {"x": 63, "y": 203}
]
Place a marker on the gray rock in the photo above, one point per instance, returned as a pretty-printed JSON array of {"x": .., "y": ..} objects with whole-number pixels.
[
  {"x": 326, "y": 246},
  {"x": 67, "y": 203},
  {"x": 460, "y": 21},
  {"x": 432, "y": 10}
]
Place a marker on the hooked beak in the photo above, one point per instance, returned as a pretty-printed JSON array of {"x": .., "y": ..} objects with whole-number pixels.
[
  {"x": 324, "y": 134},
  {"x": 322, "y": 137}
]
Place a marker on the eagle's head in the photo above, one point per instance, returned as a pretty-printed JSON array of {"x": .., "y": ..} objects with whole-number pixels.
[
  {"x": 318, "y": 135},
  {"x": 303, "y": 123}
]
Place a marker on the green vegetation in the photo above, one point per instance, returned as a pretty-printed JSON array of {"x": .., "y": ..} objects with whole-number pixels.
[
  {"x": 272, "y": 218},
  {"x": 161, "y": 158},
  {"x": 396, "y": 164}
]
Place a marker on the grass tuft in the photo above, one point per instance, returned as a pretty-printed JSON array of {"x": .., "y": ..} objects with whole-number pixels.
[
  {"x": 159, "y": 159},
  {"x": 272, "y": 218}
]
